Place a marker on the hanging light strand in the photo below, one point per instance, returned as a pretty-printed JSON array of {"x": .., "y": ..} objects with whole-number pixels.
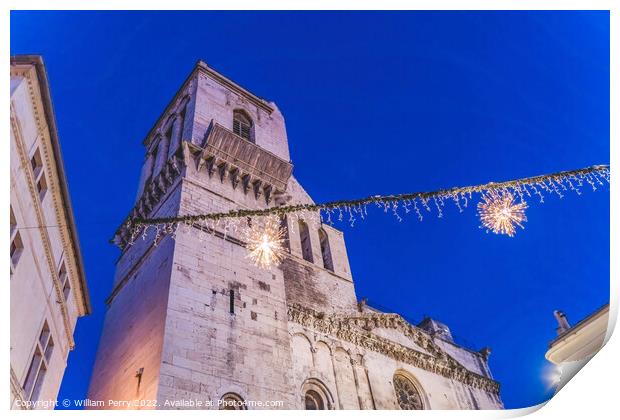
[{"x": 533, "y": 187}]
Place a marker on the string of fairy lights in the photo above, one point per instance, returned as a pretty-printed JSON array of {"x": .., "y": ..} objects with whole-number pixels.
[{"x": 501, "y": 208}]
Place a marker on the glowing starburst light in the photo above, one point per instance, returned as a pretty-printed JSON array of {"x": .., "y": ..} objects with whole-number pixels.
[
  {"x": 264, "y": 239},
  {"x": 500, "y": 214}
]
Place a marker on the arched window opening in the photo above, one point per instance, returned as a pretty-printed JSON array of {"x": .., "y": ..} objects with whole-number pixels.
[
  {"x": 314, "y": 401},
  {"x": 242, "y": 125},
  {"x": 326, "y": 252},
  {"x": 306, "y": 245},
  {"x": 231, "y": 401},
  {"x": 284, "y": 227},
  {"x": 316, "y": 396},
  {"x": 407, "y": 394}
]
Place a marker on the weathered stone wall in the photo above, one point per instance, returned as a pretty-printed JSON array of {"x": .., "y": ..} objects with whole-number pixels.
[
  {"x": 133, "y": 331},
  {"x": 315, "y": 287},
  {"x": 215, "y": 102},
  {"x": 217, "y": 324},
  {"x": 357, "y": 377},
  {"x": 132, "y": 334},
  {"x": 209, "y": 351}
]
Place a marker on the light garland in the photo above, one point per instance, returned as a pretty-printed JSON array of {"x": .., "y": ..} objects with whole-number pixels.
[
  {"x": 498, "y": 210},
  {"x": 264, "y": 238},
  {"x": 499, "y": 213}
]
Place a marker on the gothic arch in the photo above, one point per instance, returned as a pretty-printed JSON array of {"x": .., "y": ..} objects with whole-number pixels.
[
  {"x": 326, "y": 253},
  {"x": 314, "y": 392},
  {"x": 408, "y": 391}
]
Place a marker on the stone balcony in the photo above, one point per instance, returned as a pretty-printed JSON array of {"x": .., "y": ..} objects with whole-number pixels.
[
  {"x": 239, "y": 160},
  {"x": 232, "y": 157}
]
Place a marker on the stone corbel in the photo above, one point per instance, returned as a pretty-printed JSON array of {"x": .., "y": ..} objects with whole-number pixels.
[
  {"x": 267, "y": 190},
  {"x": 161, "y": 183},
  {"x": 167, "y": 176},
  {"x": 257, "y": 188},
  {"x": 210, "y": 162},
  {"x": 174, "y": 165},
  {"x": 223, "y": 171},
  {"x": 153, "y": 192},
  {"x": 245, "y": 180},
  {"x": 234, "y": 177}
]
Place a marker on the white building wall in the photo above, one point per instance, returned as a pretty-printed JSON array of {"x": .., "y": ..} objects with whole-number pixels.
[{"x": 43, "y": 224}]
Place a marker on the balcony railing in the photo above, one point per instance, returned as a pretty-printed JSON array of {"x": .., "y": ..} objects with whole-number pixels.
[{"x": 226, "y": 147}]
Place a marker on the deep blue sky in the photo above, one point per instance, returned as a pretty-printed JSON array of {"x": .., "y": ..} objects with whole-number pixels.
[{"x": 374, "y": 103}]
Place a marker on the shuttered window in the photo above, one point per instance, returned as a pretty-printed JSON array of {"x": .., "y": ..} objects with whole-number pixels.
[{"x": 242, "y": 125}]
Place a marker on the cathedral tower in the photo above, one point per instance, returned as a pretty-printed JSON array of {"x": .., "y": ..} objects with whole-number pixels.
[{"x": 190, "y": 318}]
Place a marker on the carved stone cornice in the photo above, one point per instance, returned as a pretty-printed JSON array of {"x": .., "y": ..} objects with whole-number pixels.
[
  {"x": 356, "y": 329},
  {"x": 242, "y": 93},
  {"x": 155, "y": 189}
]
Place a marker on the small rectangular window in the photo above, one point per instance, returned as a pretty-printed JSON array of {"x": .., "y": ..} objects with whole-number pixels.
[
  {"x": 41, "y": 357},
  {"x": 17, "y": 248},
  {"x": 42, "y": 186},
  {"x": 45, "y": 334},
  {"x": 38, "y": 384},
  {"x": 66, "y": 290},
  {"x": 13, "y": 224},
  {"x": 33, "y": 371},
  {"x": 232, "y": 301},
  {"x": 36, "y": 163},
  {"x": 49, "y": 350},
  {"x": 63, "y": 277}
]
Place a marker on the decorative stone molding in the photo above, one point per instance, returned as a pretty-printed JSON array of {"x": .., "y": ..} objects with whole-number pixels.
[
  {"x": 241, "y": 93},
  {"x": 24, "y": 159},
  {"x": 356, "y": 329},
  {"x": 155, "y": 189},
  {"x": 17, "y": 389},
  {"x": 174, "y": 108}
]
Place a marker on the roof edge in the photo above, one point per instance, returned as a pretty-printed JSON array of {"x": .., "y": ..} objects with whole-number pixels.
[
  {"x": 37, "y": 62},
  {"x": 202, "y": 66}
]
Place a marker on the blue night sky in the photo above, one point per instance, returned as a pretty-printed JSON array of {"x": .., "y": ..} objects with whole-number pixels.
[{"x": 374, "y": 103}]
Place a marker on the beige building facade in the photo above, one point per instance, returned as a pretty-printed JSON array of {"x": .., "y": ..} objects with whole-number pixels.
[
  {"x": 575, "y": 345},
  {"x": 190, "y": 318},
  {"x": 48, "y": 290}
]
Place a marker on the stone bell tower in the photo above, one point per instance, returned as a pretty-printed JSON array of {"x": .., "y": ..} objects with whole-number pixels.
[{"x": 191, "y": 317}]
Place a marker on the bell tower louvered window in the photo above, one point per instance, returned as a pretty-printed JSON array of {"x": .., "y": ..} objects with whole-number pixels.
[{"x": 242, "y": 125}]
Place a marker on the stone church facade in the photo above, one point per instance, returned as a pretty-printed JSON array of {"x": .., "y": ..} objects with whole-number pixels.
[{"x": 192, "y": 319}]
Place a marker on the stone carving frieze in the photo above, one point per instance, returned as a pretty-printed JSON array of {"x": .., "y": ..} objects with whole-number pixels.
[{"x": 357, "y": 329}]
